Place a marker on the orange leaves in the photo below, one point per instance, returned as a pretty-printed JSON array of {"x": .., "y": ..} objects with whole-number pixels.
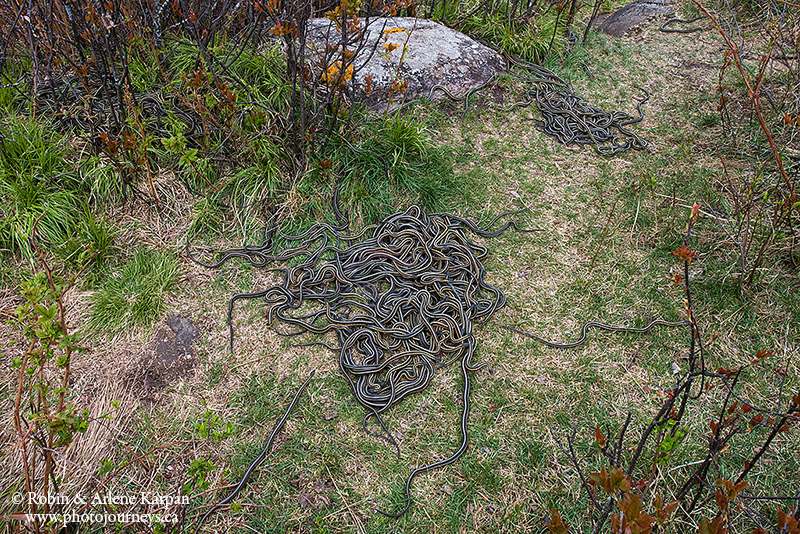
[
  {"x": 394, "y": 7},
  {"x": 611, "y": 482},
  {"x": 228, "y": 101},
  {"x": 284, "y": 29},
  {"x": 334, "y": 77},
  {"x": 599, "y": 437},
  {"x": 398, "y": 86},
  {"x": 390, "y": 47},
  {"x": 129, "y": 141},
  {"x": 684, "y": 253},
  {"x": 755, "y": 421},
  {"x": 763, "y": 354},
  {"x": 110, "y": 144},
  {"x": 347, "y": 9},
  {"x": 334, "y": 16},
  {"x": 727, "y": 372},
  {"x": 197, "y": 79},
  {"x": 727, "y": 491},
  {"x": 695, "y": 212},
  {"x": 715, "y": 527},
  {"x": 714, "y": 426},
  {"x": 791, "y": 120},
  {"x": 368, "y": 84}
]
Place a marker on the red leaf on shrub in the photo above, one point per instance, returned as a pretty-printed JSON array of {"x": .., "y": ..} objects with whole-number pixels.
[
  {"x": 721, "y": 499},
  {"x": 555, "y": 525},
  {"x": 599, "y": 437},
  {"x": 756, "y": 420},
  {"x": 715, "y": 527},
  {"x": 738, "y": 488},
  {"x": 787, "y": 523},
  {"x": 695, "y": 211},
  {"x": 684, "y": 253},
  {"x": 718, "y": 525},
  {"x": 664, "y": 512}
]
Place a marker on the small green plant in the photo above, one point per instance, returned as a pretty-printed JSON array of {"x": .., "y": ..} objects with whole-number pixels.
[
  {"x": 198, "y": 469},
  {"x": 672, "y": 438},
  {"x": 100, "y": 182},
  {"x": 44, "y": 419},
  {"x": 210, "y": 426},
  {"x": 39, "y": 188},
  {"x": 133, "y": 296},
  {"x": 106, "y": 466}
]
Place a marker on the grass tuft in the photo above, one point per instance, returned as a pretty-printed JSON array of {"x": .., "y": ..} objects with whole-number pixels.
[{"x": 133, "y": 297}]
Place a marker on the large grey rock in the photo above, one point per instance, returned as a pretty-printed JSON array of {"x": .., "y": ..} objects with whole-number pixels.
[
  {"x": 627, "y": 17},
  {"x": 434, "y": 55}
]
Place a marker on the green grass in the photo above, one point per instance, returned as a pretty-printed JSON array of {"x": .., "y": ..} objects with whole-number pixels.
[
  {"x": 527, "y": 40},
  {"x": 388, "y": 163},
  {"x": 30, "y": 156},
  {"x": 132, "y": 297},
  {"x": 395, "y": 164},
  {"x": 40, "y": 190}
]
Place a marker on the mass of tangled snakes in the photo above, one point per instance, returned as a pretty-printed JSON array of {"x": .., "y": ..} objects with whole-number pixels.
[{"x": 402, "y": 299}]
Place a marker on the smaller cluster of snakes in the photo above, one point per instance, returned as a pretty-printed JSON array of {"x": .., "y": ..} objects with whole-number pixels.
[{"x": 564, "y": 114}]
